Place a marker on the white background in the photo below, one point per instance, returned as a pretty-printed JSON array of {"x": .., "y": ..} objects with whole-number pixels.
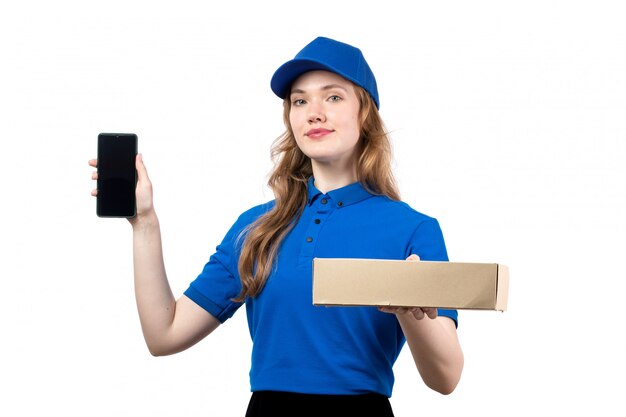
[{"x": 508, "y": 125}]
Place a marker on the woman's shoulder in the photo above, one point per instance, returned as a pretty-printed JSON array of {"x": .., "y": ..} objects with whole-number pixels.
[
  {"x": 248, "y": 217},
  {"x": 400, "y": 209},
  {"x": 255, "y": 212}
]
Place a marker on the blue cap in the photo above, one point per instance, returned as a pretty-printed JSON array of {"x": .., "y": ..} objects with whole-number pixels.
[{"x": 330, "y": 55}]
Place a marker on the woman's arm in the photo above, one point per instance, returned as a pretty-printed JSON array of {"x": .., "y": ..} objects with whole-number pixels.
[
  {"x": 435, "y": 348},
  {"x": 433, "y": 343},
  {"x": 168, "y": 326}
]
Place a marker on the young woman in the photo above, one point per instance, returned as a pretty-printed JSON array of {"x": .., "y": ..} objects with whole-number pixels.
[{"x": 335, "y": 196}]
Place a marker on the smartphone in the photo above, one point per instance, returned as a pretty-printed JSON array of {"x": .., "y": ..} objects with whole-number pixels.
[{"x": 117, "y": 176}]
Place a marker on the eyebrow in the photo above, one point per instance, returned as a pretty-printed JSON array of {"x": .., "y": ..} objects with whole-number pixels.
[{"x": 324, "y": 88}]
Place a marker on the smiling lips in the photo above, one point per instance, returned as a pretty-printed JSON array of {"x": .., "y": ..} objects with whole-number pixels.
[{"x": 318, "y": 133}]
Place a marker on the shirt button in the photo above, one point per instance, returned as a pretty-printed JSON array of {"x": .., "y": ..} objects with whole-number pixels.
[
  {"x": 317, "y": 221},
  {"x": 309, "y": 239},
  {"x": 324, "y": 201},
  {"x": 340, "y": 203}
]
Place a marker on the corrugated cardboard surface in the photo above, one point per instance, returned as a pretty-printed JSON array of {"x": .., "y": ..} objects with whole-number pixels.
[{"x": 458, "y": 285}]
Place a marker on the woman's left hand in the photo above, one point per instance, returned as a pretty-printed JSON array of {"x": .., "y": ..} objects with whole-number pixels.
[{"x": 418, "y": 312}]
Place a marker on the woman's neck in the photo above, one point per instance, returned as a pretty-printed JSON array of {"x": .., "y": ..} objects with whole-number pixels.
[{"x": 329, "y": 177}]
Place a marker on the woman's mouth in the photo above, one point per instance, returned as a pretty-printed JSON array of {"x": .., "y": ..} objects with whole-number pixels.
[{"x": 318, "y": 133}]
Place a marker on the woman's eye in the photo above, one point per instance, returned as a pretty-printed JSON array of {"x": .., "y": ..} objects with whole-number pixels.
[
  {"x": 334, "y": 98},
  {"x": 297, "y": 102}
]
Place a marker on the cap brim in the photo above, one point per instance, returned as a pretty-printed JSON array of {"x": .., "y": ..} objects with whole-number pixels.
[{"x": 287, "y": 73}]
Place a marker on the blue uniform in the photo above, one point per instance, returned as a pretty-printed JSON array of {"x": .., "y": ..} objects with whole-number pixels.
[{"x": 299, "y": 347}]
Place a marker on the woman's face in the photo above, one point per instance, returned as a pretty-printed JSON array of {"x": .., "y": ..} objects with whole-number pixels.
[{"x": 324, "y": 117}]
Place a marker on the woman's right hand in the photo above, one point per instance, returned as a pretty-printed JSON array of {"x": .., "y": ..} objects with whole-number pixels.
[{"x": 143, "y": 192}]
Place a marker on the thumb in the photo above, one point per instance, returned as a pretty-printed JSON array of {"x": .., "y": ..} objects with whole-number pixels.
[
  {"x": 142, "y": 172},
  {"x": 413, "y": 257}
]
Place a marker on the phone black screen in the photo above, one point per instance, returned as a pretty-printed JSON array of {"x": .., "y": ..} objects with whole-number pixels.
[{"x": 117, "y": 177}]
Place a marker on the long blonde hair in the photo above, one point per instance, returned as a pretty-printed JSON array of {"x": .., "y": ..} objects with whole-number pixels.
[{"x": 288, "y": 180}]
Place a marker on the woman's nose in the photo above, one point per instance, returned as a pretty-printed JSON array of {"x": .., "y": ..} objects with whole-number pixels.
[{"x": 316, "y": 114}]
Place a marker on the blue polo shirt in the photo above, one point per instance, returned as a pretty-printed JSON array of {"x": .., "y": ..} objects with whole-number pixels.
[{"x": 299, "y": 347}]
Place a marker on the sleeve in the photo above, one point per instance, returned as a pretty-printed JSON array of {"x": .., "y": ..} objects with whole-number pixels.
[
  {"x": 219, "y": 282},
  {"x": 427, "y": 242}
]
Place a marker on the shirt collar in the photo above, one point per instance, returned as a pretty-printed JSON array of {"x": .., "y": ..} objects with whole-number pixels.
[{"x": 344, "y": 196}]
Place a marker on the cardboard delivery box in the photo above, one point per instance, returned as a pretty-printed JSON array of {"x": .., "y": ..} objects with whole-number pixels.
[{"x": 353, "y": 282}]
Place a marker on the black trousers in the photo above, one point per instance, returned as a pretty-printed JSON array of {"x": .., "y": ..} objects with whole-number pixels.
[{"x": 288, "y": 404}]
